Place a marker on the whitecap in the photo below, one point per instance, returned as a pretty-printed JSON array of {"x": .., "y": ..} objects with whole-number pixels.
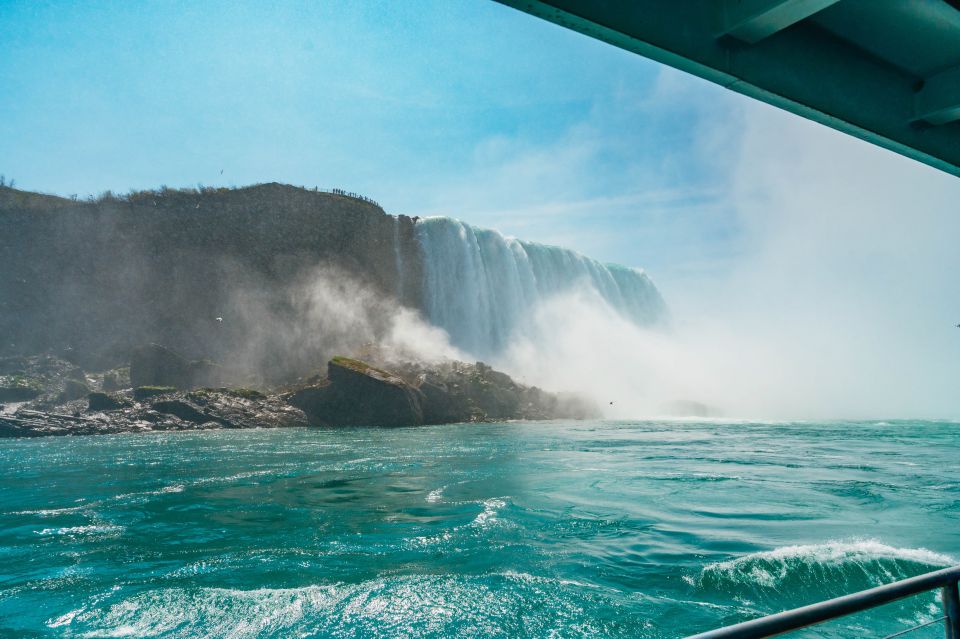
[
  {"x": 81, "y": 530},
  {"x": 489, "y": 515},
  {"x": 867, "y": 559}
]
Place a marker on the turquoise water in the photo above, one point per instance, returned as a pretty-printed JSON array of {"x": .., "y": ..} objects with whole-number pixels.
[{"x": 500, "y": 530}]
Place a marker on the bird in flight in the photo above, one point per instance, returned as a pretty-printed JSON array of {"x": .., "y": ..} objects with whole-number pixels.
[{"x": 220, "y": 319}]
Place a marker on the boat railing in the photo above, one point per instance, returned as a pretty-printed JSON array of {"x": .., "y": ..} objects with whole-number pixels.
[{"x": 790, "y": 620}]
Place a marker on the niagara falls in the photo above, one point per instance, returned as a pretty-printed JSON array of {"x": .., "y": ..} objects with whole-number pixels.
[{"x": 480, "y": 319}]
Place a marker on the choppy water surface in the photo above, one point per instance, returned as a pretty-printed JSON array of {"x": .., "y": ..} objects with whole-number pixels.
[{"x": 500, "y": 530}]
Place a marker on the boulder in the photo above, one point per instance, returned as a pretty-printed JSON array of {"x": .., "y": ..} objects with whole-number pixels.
[
  {"x": 441, "y": 406},
  {"x": 184, "y": 410},
  {"x": 146, "y": 392},
  {"x": 103, "y": 401},
  {"x": 156, "y": 365},
  {"x": 17, "y": 393},
  {"x": 73, "y": 389},
  {"x": 357, "y": 394}
]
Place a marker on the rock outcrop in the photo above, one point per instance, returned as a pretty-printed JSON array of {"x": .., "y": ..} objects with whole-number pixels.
[
  {"x": 41, "y": 378},
  {"x": 62, "y": 400},
  {"x": 355, "y": 393},
  {"x": 98, "y": 278},
  {"x": 201, "y": 409},
  {"x": 358, "y": 394},
  {"x": 156, "y": 365}
]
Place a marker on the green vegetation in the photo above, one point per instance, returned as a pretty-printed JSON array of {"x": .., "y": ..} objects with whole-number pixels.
[
  {"x": 358, "y": 366},
  {"x": 21, "y": 381},
  {"x": 245, "y": 393}
]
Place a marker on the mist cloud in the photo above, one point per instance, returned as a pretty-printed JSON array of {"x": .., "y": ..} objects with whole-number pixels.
[{"x": 841, "y": 301}]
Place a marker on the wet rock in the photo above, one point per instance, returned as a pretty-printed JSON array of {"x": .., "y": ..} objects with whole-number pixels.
[
  {"x": 358, "y": 394},
  {"x": 44, "y": 378},
  {"x": 182, "y": 409},
  {"x": 146, "y": 392},
  {"x": 443, "y": 406},
  {"x": 103, "y": 401},
  {"x": 173, "y": 411},
  {"x": 461, "y": 392}
]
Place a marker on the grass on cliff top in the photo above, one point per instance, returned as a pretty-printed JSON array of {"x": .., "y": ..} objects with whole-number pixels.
[{"x": 358, "y": 366}]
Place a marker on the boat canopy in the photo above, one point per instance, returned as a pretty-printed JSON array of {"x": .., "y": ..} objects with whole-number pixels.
[{"x": 887, "y": 72}]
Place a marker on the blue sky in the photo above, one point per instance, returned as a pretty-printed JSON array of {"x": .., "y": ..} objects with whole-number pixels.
[{"x": 464, "y": 108}]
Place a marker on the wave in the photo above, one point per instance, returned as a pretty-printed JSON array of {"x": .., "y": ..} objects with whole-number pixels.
[
  {"x": 411, "y": 606},
  {"x": 74, "y": 531},
  {"x": 805, "y": 573}
]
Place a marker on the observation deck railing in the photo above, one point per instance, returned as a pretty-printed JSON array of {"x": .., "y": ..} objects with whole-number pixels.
[
  {"x": 790, "y": 620},
  {"x": 351, "y": 194}
]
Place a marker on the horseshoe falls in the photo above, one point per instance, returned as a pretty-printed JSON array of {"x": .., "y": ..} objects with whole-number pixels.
[{"x": 480, "y": 286}]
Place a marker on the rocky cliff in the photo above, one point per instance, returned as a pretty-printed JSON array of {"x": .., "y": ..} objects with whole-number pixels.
[{"x": 90, "y": 280}]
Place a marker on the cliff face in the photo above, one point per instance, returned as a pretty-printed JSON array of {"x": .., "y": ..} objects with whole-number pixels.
[{"x": 91, "y": 280}]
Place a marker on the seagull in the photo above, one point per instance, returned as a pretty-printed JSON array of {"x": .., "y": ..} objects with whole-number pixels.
[
  {"x": 220, "y": 319},
  {"x": 221, "y": 171}
]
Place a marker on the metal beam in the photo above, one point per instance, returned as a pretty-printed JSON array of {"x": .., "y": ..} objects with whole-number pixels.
[
  {"x": 790, "y": 620},
  {"x": 938, "y": 102},
  {"x": 804, "y": 69},
  {"x": 753, "y": 20}
]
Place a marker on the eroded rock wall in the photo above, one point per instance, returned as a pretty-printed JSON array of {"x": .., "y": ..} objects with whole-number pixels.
[{"x": 91, "y": 280}]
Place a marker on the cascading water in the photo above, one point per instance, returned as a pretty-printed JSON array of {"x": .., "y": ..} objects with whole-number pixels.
[{"x": 480, "y": 286}]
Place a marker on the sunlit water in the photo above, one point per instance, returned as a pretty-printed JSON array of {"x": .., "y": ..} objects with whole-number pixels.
[{"x": 499, "y": 530}]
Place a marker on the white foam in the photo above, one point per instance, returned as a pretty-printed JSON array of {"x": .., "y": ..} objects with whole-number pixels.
[
  {"x": 769, "y": 567},
  {"x": 489, "y": 515},
  {"x": 81, "y": 530},
  {"x": 393, "y": 606}
]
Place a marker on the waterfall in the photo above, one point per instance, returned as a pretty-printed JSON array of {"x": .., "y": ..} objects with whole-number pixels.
[{"x": 480, "y": 286}]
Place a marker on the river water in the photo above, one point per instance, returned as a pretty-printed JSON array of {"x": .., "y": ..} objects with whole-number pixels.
[{"x": 569, "y": 529}]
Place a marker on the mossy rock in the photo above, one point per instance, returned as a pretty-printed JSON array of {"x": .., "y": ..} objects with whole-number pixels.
[
  {"x": 358, "y": 366},
  {"x": 245, "y": 393},
  {"x": 145, "y": 392}
]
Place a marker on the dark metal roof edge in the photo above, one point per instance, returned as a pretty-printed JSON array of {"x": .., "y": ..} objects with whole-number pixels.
[{"x": 726, "y": 80}]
